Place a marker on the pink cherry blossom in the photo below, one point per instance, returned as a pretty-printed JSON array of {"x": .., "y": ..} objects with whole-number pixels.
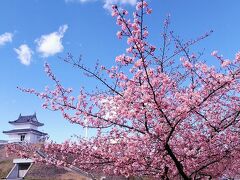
[
  {"x": 214, "y": 53},
  {"x": 149, "y": 11},
  {"x": 226, "y": 62},
  {"x": 119, "y": 35},
  {"x": 237, "y": 56}
]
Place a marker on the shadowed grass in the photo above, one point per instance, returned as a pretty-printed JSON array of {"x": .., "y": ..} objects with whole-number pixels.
[{"x": 5, "y": 167}]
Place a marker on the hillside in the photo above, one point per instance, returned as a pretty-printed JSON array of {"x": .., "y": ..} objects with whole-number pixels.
[
  {"x": 38, "y": 171},
  {"x": 46, "y": 172},
  {"x": 5, "y": 163}
]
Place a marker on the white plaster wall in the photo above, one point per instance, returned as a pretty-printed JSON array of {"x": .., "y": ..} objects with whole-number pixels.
[
  {"x": 25, "y": 126},
  {"x": 27, "y": 138},
  {"x": 30, "y": 137},
  {"x": 13, "y": 138},
  {"x": 33, "y": 138}
]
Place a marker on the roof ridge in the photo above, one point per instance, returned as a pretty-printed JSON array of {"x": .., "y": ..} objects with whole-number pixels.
[
  {"x": 25, "y": 130},
  {"x": 27, "y": 119}
]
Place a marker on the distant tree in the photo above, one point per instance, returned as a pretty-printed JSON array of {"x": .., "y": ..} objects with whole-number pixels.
[{"x": 157, "y": 116}]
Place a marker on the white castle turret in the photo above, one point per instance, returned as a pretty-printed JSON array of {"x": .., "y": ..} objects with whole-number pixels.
[{"x": 25, "y": 130}]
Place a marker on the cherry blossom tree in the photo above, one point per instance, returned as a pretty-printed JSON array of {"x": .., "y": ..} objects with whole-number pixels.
[{"x": 164, "y": 112}]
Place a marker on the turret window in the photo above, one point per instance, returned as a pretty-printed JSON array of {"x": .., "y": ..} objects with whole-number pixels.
[{"x": 22, "y": 138}]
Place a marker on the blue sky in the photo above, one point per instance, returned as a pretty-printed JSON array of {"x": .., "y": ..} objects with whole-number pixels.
[{"x": 35, "y": 31}]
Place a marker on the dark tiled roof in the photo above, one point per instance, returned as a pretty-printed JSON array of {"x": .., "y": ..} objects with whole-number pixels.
[
  {"x": 25, "y": 131},
  {"x": 32, "y": 119},
  {"x": 3, "y": 141}
]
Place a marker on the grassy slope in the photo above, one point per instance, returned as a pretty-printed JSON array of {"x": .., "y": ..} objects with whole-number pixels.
[
  {"x": 45, "y": 172},
  {"x": 5, "y": 163},
  {"x": 38, "y": 171},
  {"x": 5, "y": 167}
]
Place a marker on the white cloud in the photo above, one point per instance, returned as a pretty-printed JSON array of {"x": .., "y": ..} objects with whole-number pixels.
[
  {"x": 24, "y": 54},
  {"x": 51, "y": 44},
  {"x": 108, "y": 3},
  {"x": 5, "y": 38}
]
